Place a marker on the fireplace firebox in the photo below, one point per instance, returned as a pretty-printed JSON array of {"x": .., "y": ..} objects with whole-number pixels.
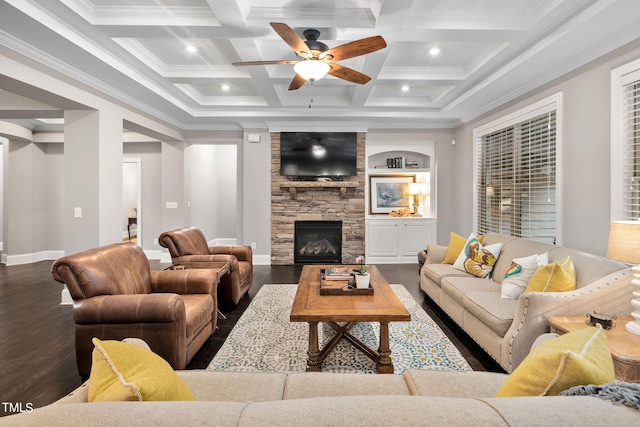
[{"x": 317, "y": 242}]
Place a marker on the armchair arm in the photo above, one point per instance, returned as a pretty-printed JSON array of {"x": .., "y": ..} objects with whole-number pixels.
[
  {"x": 242, "y": 253},
  {"x": 436, "y": 254},
  {"x": 189, "y": 281},
  {"x": 610, "y": 294},
  {"x": 129, "y": 308}
]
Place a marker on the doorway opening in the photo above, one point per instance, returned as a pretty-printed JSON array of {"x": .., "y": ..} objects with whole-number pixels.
[{"x": 132, "y": 200}]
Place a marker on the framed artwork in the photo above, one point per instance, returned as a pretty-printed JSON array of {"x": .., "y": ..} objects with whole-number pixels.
[{"x": 389, "y": 192}]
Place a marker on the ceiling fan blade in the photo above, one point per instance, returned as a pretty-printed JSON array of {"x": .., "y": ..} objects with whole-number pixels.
[
  {"x": 275, "y": 62},
  {"x": 355, "y": 48},
  {"x": 291, "y": 38},
  {"x": 348, "y": 74},
  {"x": 297, "y": 82}
]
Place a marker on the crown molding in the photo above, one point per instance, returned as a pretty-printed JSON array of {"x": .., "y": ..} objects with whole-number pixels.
[{"x": 143, "y": 15}]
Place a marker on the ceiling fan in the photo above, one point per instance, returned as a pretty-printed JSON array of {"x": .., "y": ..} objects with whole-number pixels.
[{"x": 317, "y": 59}]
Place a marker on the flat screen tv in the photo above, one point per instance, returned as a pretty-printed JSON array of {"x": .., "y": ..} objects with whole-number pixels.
[{"x": 318, "y": 154}]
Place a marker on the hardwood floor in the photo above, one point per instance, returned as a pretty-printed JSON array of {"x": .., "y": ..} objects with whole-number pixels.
[{"x": 37, "y": 352}]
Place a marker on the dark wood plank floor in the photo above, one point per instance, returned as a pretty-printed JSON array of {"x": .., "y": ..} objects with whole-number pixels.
[{"x": 37, "y": 353}]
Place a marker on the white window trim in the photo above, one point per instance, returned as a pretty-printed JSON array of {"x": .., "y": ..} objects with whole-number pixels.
[
  {"x": 551, "y": 103},
  {"x": 620, "y": 77}
]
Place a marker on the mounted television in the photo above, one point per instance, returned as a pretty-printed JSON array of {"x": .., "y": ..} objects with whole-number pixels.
[{"x": 318, "y": 154}]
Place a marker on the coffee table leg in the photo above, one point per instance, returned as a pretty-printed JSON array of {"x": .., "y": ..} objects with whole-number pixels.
[
  {"x": 384, "y": 364},
  {"x": 313, "y": 354}
]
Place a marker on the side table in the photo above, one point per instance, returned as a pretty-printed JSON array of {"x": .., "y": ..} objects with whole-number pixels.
[
  {"x": 624, "y": 346},
  {"x": 220, "y": 267}
]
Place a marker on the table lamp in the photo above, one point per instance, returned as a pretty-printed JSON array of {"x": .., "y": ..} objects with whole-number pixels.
[
  {"x": 417, "y": 189},
  {"x": 624, "y": 245}
]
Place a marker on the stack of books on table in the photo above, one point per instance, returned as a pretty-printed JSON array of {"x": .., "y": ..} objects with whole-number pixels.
[{"x": 338, "y": 273}]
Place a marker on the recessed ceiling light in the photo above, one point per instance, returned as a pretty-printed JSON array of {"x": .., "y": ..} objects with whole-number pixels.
[
  {"x": 226, "y": 88},
  {"x": 434, "y": 51},
  {"x": 405, "y": 88},
  {"x": 191, "y": 48}
]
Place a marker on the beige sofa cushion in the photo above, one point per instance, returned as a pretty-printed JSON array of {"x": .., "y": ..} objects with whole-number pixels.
[
  {"x": 457, "y": 287},
  {"x": 319, "y": 384},
  {"x": 436, "y": 272},
  {"x": 371, "y": 411},
  {"x": 220, "y": 414},
  {"x": 429, "y": 382},
  {"x": 564, "y": 411},
  {"x": 491, "y": 309},
  {"x": 212, "y": 385},
  {"x": 223, "y": 386}
]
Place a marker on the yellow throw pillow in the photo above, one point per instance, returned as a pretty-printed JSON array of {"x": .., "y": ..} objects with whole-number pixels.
[
  {"x": 555, "y": 277},
  {"x": 577, "y": 358},
  {"x": 456, "y": 245},
  {"x": 122, "y": 371}
]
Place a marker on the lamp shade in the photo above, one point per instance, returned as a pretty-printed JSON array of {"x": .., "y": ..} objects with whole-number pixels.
[
  {"x": 414, "y": 189},
  {"x": 311, "y": 69},
  {"x": 624, "y": 241}
]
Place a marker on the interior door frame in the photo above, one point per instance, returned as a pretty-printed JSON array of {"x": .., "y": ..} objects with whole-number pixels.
[{"x": 138, "y": 162}]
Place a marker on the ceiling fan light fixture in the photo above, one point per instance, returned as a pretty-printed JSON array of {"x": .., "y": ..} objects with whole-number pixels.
[{"x": 312, "y": 69}]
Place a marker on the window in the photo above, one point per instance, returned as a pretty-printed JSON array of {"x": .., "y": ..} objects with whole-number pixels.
[
  {"x": 625, "y": 139},
  {"x": 516, "y": 174}
]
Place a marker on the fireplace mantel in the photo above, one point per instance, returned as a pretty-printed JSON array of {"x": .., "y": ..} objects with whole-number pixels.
[{"x": 293, "y": 186}]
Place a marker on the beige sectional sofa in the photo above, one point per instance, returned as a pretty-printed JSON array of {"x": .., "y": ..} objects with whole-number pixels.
[
  {"x": 419, "y": 397},
  {"x": 506, "y": 328}
]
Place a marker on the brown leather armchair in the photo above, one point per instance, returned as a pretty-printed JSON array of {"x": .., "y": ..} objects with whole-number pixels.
[
  {"x": 116, "y": 295},
  {"x": 190, "y": 245}
]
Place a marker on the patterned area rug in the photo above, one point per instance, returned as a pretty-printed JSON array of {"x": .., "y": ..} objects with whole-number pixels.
[{"x": 264, "y": 340}]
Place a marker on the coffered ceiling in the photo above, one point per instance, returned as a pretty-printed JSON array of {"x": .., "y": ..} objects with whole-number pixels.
[{"x": 490, "y": 51}]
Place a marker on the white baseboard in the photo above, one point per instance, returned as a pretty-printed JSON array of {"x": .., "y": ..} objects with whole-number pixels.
[
  {"x": 9, "y": 260},
  {"x": 261, "y": 259},
  {"x": 223, "y": 242}
]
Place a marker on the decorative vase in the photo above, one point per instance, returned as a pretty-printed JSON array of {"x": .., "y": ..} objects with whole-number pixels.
[{"x": 362, "y": 280}]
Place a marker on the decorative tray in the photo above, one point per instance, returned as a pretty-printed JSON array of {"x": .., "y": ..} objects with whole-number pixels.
[{"x": 341, "y": 287}]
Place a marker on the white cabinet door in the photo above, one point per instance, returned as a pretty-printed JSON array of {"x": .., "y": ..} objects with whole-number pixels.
[
  {"x": 417, "y": 235},
  {"x": 398, "y": 240},
  {"x": 382, "y": 239}
]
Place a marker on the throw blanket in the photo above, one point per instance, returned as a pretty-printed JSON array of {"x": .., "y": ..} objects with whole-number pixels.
[{"x": 619, "y": 393}]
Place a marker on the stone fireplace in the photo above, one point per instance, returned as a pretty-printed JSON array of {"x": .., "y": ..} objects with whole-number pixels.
[{"x": 316, "y": 201}]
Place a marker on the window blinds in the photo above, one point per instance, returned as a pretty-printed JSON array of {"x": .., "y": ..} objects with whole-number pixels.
[
  {"x": 631, "y": 151},
  {"x": 516, "y": 182}
]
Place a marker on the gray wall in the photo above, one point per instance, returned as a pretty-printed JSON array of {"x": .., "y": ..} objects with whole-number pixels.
[
  {"x": 226, "y": 164},
  {"x": 585, "y": 156},
  {"x": 211, "y": 172},
  {"x": 54, "y": 195},
  {"x": 256, "y": 194}
]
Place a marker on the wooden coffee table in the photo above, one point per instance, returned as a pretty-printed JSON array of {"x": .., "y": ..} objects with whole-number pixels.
[{"x": 382, "y": 307}]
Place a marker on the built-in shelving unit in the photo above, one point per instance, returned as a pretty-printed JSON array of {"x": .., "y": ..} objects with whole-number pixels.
[
  {"x": 399, "y": 239},
  {"x": 294, "y": 186}
]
